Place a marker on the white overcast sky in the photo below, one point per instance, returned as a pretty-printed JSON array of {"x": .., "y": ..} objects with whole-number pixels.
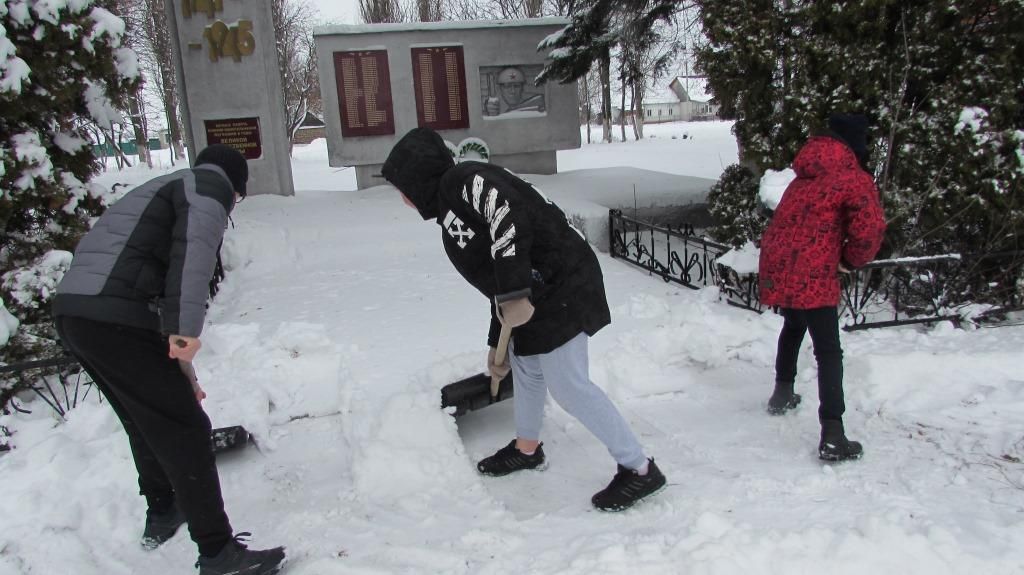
[{"x": 338, "y": 11}]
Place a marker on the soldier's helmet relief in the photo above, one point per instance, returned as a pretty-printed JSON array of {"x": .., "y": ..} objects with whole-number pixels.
[{"x": 511, "y": 76}]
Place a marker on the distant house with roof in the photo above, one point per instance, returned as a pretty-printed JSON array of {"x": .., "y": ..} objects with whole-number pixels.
[
  {"x": 675, "y": 103},
  {"x": 311, "y": 128}
]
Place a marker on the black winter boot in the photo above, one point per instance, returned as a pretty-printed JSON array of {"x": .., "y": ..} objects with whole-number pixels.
[
  {"x": 509, "y": 459},
  {"x": 628, "y": 487},
  {"x": 236, "y": 559},
  {"x": 783, "y": 399},
  {"x": 160, "y": 527},
  {"x": 834, "y": 445}
]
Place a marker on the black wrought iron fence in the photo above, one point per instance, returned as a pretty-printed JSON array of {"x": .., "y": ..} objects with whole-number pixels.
[
  {"x": 881, "y": 294},
  {"x": 678, "y": 255},
  {"x": 675, "y": 254},
  {"x": 59, "y": 382},
  {"x": 912, "y": 290}
]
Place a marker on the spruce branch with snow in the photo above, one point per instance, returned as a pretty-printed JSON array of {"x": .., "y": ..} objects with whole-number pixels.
[
  {"x": 596, "y": 28},
  {"x": 59, "y": 62}
]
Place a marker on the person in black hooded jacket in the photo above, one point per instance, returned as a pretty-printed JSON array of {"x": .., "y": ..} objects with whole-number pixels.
[{"x": 520, "y": 251}]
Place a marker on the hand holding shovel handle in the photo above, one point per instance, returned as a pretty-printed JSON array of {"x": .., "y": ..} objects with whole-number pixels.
[
  {"x": 190, "y": 372},
  {"x": 499, "y": 357},
  {"x": 222, "y": 438}
]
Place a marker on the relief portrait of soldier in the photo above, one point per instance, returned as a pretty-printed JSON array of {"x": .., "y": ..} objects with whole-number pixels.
[{"x": 511, "y": 95}]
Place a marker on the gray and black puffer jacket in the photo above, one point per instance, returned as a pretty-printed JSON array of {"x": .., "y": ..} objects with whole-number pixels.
[
  {"x": 148, "y": 260},
  {"x": 507, "y": 239}
]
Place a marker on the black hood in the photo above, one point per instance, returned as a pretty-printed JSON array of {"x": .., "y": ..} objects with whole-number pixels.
[
  {"x": 415, "y": 166},
  {"x": 852, "y": 129}
]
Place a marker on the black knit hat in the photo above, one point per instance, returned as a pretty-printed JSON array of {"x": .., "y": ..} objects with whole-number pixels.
[
  {"x": 853, "y": 129},
  {"x": 230, "y": 160}
]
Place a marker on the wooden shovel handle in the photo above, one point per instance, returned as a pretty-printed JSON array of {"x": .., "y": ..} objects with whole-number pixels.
[
  {"x": 499, "y": 356},
  {"x": 502, "y": 351}
]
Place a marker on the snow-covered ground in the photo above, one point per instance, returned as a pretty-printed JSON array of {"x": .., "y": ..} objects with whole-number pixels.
[{"x": 341, "y": 318}]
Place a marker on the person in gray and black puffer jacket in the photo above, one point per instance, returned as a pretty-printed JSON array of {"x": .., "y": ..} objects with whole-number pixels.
[
  {"x": 131, "y": 309},
  {"x": 543, "y": 280}
]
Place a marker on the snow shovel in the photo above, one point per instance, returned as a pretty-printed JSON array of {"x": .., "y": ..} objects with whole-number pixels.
[
  {"x": 480, "y": 390},
  {"x": 224, "y": 438}
]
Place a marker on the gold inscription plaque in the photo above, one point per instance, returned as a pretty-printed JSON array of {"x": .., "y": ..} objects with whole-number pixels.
[
  {"x": 364, "y": 93},
  {"x": 439, "y": 80}
]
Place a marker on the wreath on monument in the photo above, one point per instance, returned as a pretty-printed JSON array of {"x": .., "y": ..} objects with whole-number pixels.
[{"x": 473, "y": 149}]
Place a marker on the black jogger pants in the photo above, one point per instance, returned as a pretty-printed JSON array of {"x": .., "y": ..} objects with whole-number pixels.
[
  {"x": 823, "y": 325},
  {"x": 168, "y": 431}
]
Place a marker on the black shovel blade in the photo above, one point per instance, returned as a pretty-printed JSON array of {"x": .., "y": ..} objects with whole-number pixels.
[
  {"x": 229, "y": 438},
  {"x": 474, "y": 393}
]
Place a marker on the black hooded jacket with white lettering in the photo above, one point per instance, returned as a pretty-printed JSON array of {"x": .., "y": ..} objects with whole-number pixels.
[
  {"x": 148, "y": 260},
  {"x": 507, "y": 239}
]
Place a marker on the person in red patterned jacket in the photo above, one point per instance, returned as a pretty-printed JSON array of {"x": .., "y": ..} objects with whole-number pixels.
[{"x": 829, "y": 222}]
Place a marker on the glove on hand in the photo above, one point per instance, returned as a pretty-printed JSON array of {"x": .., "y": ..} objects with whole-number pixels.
[
  {"x": 498, "y": 371},
  {"x": 515, "y": 312}
]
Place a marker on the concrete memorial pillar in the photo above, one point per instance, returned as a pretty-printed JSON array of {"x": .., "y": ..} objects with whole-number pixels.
[{"x": 228, "y": 76}]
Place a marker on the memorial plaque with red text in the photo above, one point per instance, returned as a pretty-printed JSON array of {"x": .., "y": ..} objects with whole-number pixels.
[
  {"x": 439, "y": 78},
  {"x": 364, "y": 93}
]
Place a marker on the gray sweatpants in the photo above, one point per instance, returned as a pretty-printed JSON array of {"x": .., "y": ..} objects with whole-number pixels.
[{"x": 566, "y": 373}]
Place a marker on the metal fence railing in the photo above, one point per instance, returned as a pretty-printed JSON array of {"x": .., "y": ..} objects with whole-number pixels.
[
  {"x": 675, "y": 254},
  {"x": 927, "y": 289},
  {"x": 883, "y": 293},
  {"x": 59, "y": 382},
  {"x": 678, "y": 255}
]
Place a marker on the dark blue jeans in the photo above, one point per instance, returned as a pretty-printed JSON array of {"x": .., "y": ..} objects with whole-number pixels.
[{"x": 823, "y": 324}]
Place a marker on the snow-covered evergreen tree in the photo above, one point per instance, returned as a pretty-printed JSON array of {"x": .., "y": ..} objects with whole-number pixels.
[
  {"x": 596, "y": 27},
  {"x": 60, "y": 61},
  {"x": 940, "y": 81}
]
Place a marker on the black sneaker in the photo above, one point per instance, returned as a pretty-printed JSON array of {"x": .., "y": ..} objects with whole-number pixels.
[
  {"x": 628, "y": 487},
  {"x": 782, "y": 400},
  {"x": 509, "y": 459},
  {"x": 160, "y": 527},
  {"x": 834, "y": 445},
  {"x": 236, "y": 559}
]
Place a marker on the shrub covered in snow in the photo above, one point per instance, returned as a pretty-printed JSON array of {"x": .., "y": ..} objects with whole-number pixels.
[
  {"x": 61, "y": 66},
  {"x": 31, "y": 287},
  {"x": 735, "y": 207}
]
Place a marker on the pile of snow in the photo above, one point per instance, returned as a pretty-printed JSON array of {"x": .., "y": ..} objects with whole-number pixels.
[
  {"x": 743, "y": 260},
  {"x": 8, "y": 324},
  {"x": 773, "y": 186},
  {"x": 700, "y": 149}
]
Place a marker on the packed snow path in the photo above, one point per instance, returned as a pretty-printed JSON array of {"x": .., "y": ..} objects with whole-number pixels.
[{"x": 341, "y": 319}]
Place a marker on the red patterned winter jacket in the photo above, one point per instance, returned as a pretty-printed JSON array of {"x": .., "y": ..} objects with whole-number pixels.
[{"x": 829, "y": 213}]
